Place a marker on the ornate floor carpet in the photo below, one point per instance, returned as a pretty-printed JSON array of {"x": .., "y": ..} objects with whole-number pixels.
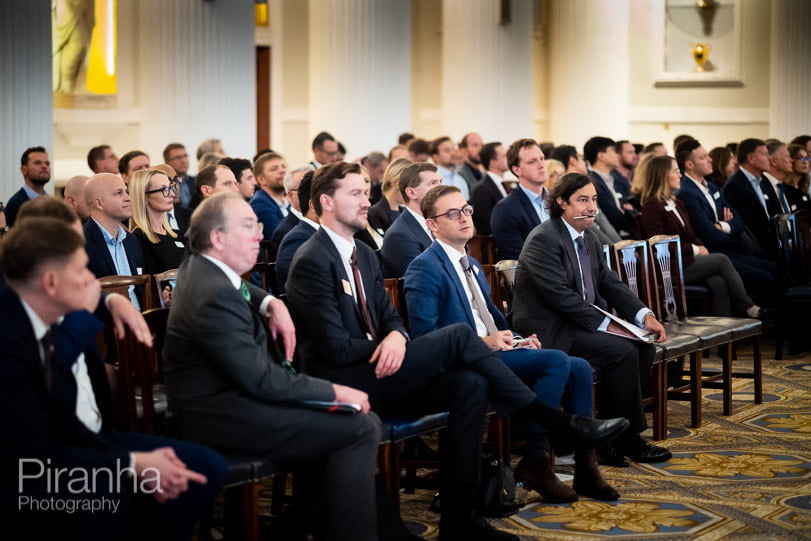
[{"x": 742, "y": 477}]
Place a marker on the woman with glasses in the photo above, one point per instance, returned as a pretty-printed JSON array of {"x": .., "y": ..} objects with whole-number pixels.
[
  {"x": 152, "y": 195},
  {"x": 799, "y": 178}
]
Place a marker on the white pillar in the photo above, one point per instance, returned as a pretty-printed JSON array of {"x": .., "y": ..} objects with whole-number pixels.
[
  {"x": 790, "y": 106},
  {"x": 589, "y": 74},
  {"x": 360, "y": 72},
  {"x": 487, "y": 70},
  {"x": 26, "y": 94},
  {"x": 196, "y": 75}
]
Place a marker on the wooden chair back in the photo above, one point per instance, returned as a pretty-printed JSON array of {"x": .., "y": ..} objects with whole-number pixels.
[
  {"x": 139, "y": 375},
  {"x": 801, "y": 229},
  {"x": 121, "y": 284},
  {"x": 483, "y": 249},
  {"x": 395, "y": 289},
  {"x": 505, "y": 270},
  {"x": 159, "y": 281},
  {"x": 630, "y": 262},
  {"x": 670, "y": 299}
]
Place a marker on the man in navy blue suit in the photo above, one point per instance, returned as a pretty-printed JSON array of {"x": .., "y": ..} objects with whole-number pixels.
[
  {"x": 518, "y": 213},
  {"x": 408, "y": 236},
  {"x": 297, "y": 236},
  {"x": 717, "y": 224},
  {"x": 54, "y": 382},
  {"x": 36, "y": 170},
  {"x": 110, "y": 249},
  {"x": 269, "y": 202},
  {"x": 444, "y": 286},
  {"x": 752, "y": 195}
]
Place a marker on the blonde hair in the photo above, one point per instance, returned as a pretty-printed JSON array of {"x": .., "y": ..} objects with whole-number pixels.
[
  {"x": 640, "y": 172},
  {"x": 138, "y": 186},
  {"x": 656, "y": 185},
  {"x": 391, "y": 176},
  {"x": 553, "y": 166}
]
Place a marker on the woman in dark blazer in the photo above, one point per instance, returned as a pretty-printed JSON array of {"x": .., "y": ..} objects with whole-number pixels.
[
  {"x": 152, "y": 195},
  {"x": 664, "y": 214}
]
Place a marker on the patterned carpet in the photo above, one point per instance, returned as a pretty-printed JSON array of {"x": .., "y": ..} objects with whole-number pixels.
[{"x": 742, "y": 477}]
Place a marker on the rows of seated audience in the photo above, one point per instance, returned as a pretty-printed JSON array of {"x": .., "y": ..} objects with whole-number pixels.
[{"x": 332, "y": 232}]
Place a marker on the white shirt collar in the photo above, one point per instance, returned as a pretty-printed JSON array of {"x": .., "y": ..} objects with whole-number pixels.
[
  {"x": 233, "y": 277},
  {"x": 39, "y": 326},
  {"x": 573, "y": 233},
  {"x": 314, "y": 225},
  {"x": 343, "y": 246},
  {"x": 497, "y": 180},
  {"x": 420, "y": 220}
]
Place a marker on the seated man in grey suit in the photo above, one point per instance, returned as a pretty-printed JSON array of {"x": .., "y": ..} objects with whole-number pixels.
[
  {"x": 561, "y": 277},
  {"x": 228, "y": 392},
  {"x": 408, "y": 236}
]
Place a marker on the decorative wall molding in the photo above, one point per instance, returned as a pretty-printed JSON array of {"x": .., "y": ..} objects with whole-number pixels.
[{"x": 699, "y": 115}]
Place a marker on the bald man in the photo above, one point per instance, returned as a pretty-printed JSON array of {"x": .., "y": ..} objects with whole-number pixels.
[
  {"x": 75, "y": 198},
  {"x": 110, "y": 248}
]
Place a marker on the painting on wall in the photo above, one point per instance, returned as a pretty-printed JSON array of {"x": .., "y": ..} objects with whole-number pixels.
[
  {"x": 700, "y": 44},
  {"x": 84, "y": 53}
]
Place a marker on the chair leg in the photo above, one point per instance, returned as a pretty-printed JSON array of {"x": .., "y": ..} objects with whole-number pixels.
[
  {"x": 727, "y": 380},
  {"x": 660, "y": 401},
  {"x": 241, "y": 512},
  {"x": 695, "y": 389},
  {"x": 394, "y": 471},
  {"x": 757, "y": 369},
  {"x": 384, "y": 464}
]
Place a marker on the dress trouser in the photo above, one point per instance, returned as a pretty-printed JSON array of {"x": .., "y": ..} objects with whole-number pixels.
[{"x": 728, "y": 295}]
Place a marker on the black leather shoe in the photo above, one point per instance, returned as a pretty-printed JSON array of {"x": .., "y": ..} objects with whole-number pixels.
[
  {"x": 646, "y": 452},
  {"x": 587, "y": 432},
  {"x": 610, "y": 456},
  {"x": 469, "y": 528}
]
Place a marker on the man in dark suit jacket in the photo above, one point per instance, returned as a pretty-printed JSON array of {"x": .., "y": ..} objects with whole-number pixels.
[
  {"x": 555, "y": 299},
  {"x": 349, "y": 332},
  {"x": 292, "y": 185},
  {"x": 444, "y": 286},
  {"x": 408, "y": 236},
  {"x": 36, "y": 170},
  {"x": 55, "y": 382},
  {"x": 752, "y": 195},
  {"x": 490, "y": 190},
  {"x": 518, "y": 213},
  {"x": 296, "y": 236},
  {"x": 717, "y": 224},
  {"x": 109, "y": 205},
  {"x": 601, "y": 154},
  {"x": 269, "y": 202},
  {"x": 227, "y": 391}
]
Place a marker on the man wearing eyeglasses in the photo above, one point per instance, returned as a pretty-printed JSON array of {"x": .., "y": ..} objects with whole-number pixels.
[
  {"x": 215, "y": 179},
  {"x": 444, "y": 286},
  {"x": 408, "y": 236},
  {"x": 175, "y": 154}
]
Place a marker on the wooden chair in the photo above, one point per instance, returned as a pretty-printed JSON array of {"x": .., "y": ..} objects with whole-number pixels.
[
  {"x": 630, "y": 261},
  {"x": 266, "y": 272},
  {"x": 142, "y": 405},
  {"x": 671, "y": 306},
  {"x": 158, "y": 282},
  {"x": 792, "y": 232},
  {"x": 506, "y": 279},
  {"x": 483, "y": 249},
  {"x": 121, "y": 284}
]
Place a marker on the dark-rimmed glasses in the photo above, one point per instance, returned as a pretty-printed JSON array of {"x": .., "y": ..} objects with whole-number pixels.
[
  {"x": 455, "y": 214},
  {"x": 167, "y": 191}
]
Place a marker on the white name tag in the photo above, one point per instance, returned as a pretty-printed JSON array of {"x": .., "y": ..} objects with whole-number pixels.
[
  {"x": 716, "y": 195},
  {"x": 766, "y": 197},
  {"x": 179, "y": 244}
]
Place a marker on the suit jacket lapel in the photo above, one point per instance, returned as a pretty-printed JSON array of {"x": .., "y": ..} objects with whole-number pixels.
[
  {"x": 568, "y": 247},
  {"x": 529, "y": 207},
  {"x": 97, "y": 238},
  {"x": 417, "y": 230},
  {"x": 450, "y": 270}
]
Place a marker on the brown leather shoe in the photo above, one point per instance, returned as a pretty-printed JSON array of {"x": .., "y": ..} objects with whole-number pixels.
[
  {"x": 536, "y": 472},
  {"x": 588, "y": 481}
]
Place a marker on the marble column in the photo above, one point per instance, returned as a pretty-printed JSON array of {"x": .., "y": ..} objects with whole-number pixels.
[
  {"x": 196, "y": 76},
  {"x": 790, "y": 78},
  {"x": 487, "y": 69},
  {"x": 589, "y": 71},
  {"x": 26, "y": 93},
  {"x": 360, "y": 72}
]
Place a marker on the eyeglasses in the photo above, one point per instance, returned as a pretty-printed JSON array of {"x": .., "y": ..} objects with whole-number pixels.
[
  {"x": 167, "y": 191},
  {"x": 455, "y": 214},
  {"x": 803, "y": 158},
  {"x": 178, "y": 157}
]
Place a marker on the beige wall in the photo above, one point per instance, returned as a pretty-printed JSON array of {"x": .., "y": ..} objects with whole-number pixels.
[
  {"x": 426, "y": 66},
  {"x": 715, "y": 115}
]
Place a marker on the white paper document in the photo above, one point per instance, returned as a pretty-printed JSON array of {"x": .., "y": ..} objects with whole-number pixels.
[{"x": 642, "y": 335}]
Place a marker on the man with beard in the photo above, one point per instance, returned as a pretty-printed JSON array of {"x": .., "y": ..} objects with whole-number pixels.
[
  {"x": 36, "y": 169},
  {"x": 471, "y": 168},
  {"x": 269, "y": 203}
]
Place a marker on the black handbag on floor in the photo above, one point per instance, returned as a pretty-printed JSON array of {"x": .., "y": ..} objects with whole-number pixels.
[{"x": 496, "y": 494}]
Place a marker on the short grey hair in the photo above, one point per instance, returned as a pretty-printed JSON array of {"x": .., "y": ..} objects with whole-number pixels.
[
  {"x": 288, "y": 178},
  {"x": 207, "y": 217}
]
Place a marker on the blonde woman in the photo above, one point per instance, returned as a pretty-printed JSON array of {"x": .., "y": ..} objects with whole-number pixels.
[
  {"x": 664, "y": 214},
  {"x": 152, "y": 195},
  {"x": 383, "y": 213}
]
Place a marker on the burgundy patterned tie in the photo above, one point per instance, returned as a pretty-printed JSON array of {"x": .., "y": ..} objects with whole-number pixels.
[{"x": 364, "y": 308}]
